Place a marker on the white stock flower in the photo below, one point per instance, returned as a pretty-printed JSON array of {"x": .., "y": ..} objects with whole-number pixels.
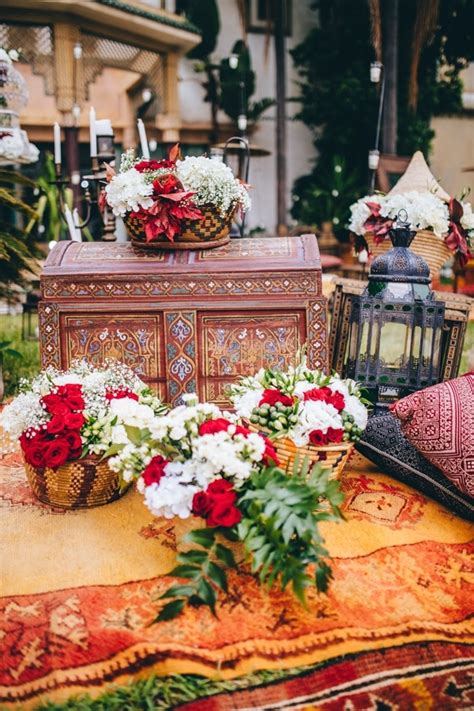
[
  {"x": 128, "y": 192},
  {"x": 131, "y": 412},
  {"x": 170, "y": 498},
  {"x": 354, "y": 407},
  {"x": 424, "y": 211},
  {"x": 246, "y": 403},
  {"x": 314, "y": 415}
]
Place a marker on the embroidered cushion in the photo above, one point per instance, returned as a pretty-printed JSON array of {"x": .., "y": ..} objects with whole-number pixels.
[
  {"x": 384, "y": 444},
  {"x": 439, "y": 422}
]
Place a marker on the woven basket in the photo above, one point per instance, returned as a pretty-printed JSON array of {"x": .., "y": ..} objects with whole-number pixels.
[
  {"x": 433, "y": 249},
  {"x": 212, "y": 230},
  {"x": 330, "y": 456},
  {"x": 76, "y": 485}
]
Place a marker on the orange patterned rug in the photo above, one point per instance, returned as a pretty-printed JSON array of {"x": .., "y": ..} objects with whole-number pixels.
[{"x": 79, "y": 590}]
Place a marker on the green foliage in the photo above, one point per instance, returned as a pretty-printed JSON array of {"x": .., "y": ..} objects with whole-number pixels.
[
  {"x": 238, "y": 85},
  {"x": 47, "y": 208},
  {"x": 205, "y": 15},
  {"x": 14, "y": 368},
  {"x": 339, "y": 103},
  {"x": 7, "y": 350},
  {"x": 204, "y": 576},
  {"x": 17, "y": 242},
  {"x": 279, "y": 532},
  {"x": 279, "y": 529}
]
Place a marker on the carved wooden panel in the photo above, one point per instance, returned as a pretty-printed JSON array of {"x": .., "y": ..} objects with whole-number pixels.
[
  {"x": 137, "y": 340},
  {"x": 181, "y": 350},
  {"x": 232, "y": 344}
]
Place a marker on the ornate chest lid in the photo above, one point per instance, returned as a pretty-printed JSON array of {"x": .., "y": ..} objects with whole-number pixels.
[{"x": 86, "y": 260}]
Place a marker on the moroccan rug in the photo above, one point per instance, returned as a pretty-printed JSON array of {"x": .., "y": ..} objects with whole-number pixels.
[{"x": 79, "y": 590}]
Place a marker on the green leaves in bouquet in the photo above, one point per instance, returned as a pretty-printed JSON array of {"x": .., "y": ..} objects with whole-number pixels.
[
  {"x": 279, "y": 530},
  {"x": 203, "y": 568}
]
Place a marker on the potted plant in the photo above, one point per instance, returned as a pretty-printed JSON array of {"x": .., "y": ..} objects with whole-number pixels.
[
  {"x": 304, "y": 412},
  {"x": 195, "y": 462},
  {"x": 65, "y": 421},
  {"x": 176, "y": 204}
]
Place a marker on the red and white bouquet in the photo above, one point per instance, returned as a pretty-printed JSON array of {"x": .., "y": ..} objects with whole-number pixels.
[
  {"x": 163, "y": 194},
  {"x": 304, "y": 405},
  {"x": 197, "y": 461},
  {"x": 62, "y": 416}
]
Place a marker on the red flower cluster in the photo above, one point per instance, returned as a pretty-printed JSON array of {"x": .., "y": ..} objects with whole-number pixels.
[
  {"x": 154, "y": 470},
  {"x": 221, "y": 425},
  {"x": 120, "y": 394},
  {"x": 60, "y": 441},
  {"x": 171, "y": 202},
  {"x": 325, "y": 394},
  {"x": 271, "y": 396},
  {"x": 332, "y": 436},
  {"x": 376, "y": 224},
  {"x": 456, "y": 238},
  {"x": 217, "y": 504}
]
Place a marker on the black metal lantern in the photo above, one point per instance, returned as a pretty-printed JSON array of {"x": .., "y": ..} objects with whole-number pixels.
[{"x": 396, "y": 325}]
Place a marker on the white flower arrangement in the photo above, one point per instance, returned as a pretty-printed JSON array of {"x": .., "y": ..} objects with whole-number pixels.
[
  {"x": 213, "y": 184},
  {"x": 183, "y": 452},
  {"x": 128, "y": 192},
  {"x": 304, "y": 405}
]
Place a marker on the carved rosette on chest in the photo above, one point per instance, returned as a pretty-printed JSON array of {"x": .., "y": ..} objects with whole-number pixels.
[{"x": 185, "y": 321}]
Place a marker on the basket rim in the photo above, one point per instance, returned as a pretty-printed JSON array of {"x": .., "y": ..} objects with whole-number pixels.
[{"x": 320, "y": 447}]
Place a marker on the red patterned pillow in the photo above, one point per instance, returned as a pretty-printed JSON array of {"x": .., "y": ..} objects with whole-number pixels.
[{"x": 439, "y": 422}]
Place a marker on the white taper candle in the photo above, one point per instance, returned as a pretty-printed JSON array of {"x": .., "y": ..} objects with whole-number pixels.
[
  {"x": 92, "y": 132},
  {"x": 57, "y": 143},
  {"x": 143, "y": 140}
]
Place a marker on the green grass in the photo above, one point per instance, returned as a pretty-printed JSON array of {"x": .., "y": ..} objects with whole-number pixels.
[{"x": 15, "y": 369}]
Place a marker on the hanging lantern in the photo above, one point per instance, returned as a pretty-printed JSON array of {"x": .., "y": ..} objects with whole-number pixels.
[
  {"x": 396, "y": 325},
  {"x": 14, "y": 144}
]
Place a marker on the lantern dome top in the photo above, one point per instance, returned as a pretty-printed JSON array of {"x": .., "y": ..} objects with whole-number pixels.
[{"x": 400, "y": 264}]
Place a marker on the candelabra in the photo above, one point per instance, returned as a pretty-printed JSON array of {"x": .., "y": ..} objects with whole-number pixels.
[{"x": 102, "y": 151}]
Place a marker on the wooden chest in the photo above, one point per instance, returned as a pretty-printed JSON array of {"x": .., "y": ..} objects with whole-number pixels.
[{"x": 185, "y": 321}]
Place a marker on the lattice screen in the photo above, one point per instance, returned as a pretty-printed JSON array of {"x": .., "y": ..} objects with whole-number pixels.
[
  {"x": 37, "y": 47},
  {"x": 100, "y": 52}
]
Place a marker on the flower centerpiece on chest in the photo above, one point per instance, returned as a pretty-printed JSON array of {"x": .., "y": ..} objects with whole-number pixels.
[{"x": 175, "y": 203}]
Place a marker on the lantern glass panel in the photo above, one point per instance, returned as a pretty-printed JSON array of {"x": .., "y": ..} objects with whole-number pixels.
[
  {"x": 364, "y": 340},
  {"x": 415, "y": 353},
  {"x": 394, "y": 339}
]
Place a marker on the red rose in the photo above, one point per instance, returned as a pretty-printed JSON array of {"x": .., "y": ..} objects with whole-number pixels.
[
  {"x": 214, "y": 426},
  {"x": 224, "y": 514},
  {"x": 242, "y": 430},
  {"x": 318, "y": 394},
  {"x": 120, "y": 394},
  {"x": 154, "y": 470},
  {"x": 337, "y": 401},
  {"x": 55, "y": 425},
  {"x": 34, "y": 450},
  {"x": 272, "y": 396},
  {"x": 57, "y": 453},
  {"x": 74, "y": 441},
  {"x": 318, "y": 438},
  {"x": 335, "y": 435},
  {"x": 202, "y": 504},
  {"x": 269, "y": 455},
  {"x": 221, "y": 491},
  {"x": 74, "y": 420},
  {"x": 54, "y": 404},
  {"x": 145, "y": 165},
  {"x": 75, "y": 402},
  {"x": 70, "y": 389}
]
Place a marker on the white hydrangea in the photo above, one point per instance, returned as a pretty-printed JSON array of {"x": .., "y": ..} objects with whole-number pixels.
[
  {"x": 214, "y": 184},
  {"x": 467, "y": 219},
  {"x": 132, "y": 413},
  {"x": 128, "y": 192},
  {"x": 424, "y": 210}
]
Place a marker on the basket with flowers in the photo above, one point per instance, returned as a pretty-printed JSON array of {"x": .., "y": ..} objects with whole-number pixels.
[
  {"x": 304, "y": 412},
  {"x": 65, "y": 421},
  {"x": 197, "y": 462},
  {"x": 176, "y": 204}
]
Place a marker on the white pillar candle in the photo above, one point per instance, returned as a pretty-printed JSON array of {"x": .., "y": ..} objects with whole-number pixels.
[
  {"x": 92, "y": 132},
  {"x": 76, "y": 220},
  {"x": 57, "y": 143},
  {"x": 70, "y": 223},
  {"x": 143, "y": 140}
]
